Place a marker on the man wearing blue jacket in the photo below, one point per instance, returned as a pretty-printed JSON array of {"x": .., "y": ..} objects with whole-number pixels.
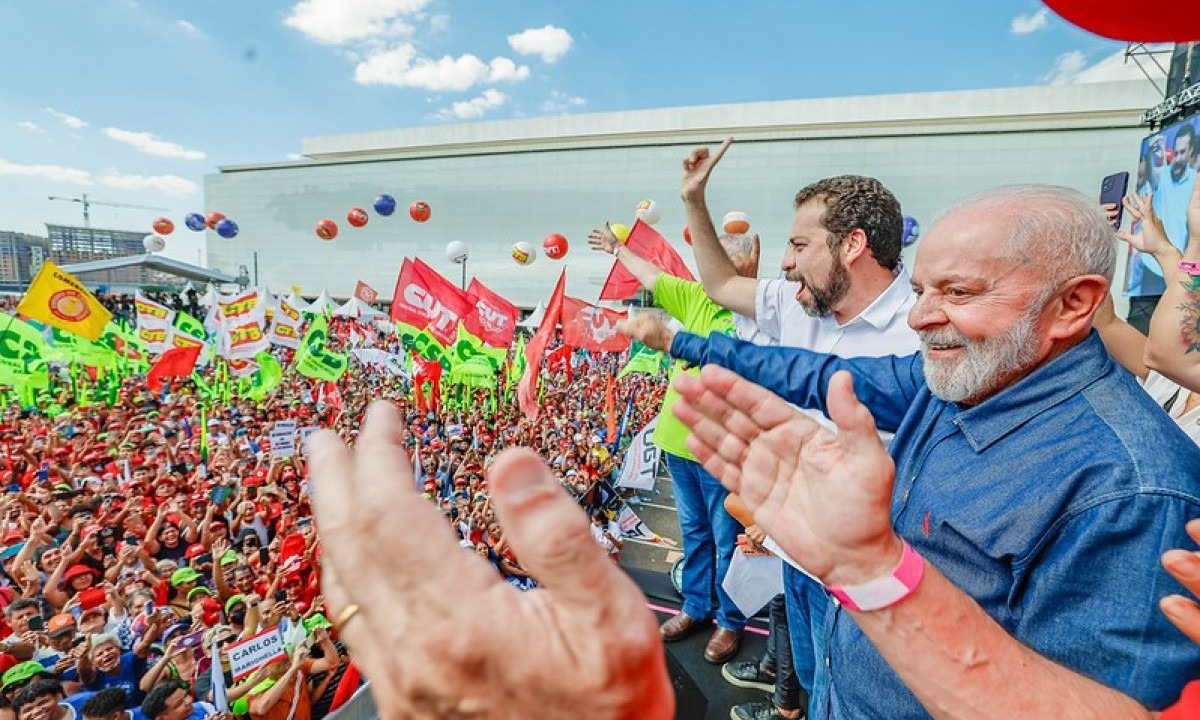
[{"x": 1007, "y": 563}]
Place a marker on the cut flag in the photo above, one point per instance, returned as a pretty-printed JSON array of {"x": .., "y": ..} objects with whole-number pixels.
[
  {"x": 645, "y": 242},
  {"x": 56, "y": 298},
  {"x": 176, "y": 362}
]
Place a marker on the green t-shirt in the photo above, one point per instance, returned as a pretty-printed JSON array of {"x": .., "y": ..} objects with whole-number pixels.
[{"x": 687, "y": 302}]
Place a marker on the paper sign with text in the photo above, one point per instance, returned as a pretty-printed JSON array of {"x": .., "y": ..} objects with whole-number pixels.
[{"x": 248, "y": 656}]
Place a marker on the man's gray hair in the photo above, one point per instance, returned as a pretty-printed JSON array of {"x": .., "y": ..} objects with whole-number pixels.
[
  {"x": 1059, "y": 229},
  {"x": 737, "y": 244}
]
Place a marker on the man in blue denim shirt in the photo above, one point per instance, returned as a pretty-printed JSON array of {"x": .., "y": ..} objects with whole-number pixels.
[{"x": 1031, "y": 472}]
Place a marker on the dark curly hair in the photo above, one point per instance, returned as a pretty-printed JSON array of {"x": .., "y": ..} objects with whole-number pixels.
[{"x": 855, "y": 201}]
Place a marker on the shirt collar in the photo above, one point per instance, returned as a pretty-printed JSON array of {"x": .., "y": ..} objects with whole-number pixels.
[
  {"x": 882, "y": 311},
  {"x": 1046, "y": 387}
]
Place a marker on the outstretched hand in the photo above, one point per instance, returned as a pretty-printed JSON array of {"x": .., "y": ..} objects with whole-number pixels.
[
  {"x": 1151, "y": 236},
  {"x": 648, "y": 328},
  {"x": 603, "y": 239},
  {"x": 824, "y": 497},
  {"x": 585, "y": 639}
]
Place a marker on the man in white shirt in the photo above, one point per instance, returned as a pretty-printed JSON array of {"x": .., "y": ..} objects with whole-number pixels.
[{"x": 844, "y": 292}]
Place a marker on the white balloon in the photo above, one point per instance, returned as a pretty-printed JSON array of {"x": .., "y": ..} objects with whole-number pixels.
[
  {"x": 647, "y": 211},
  {"x": 154, "y": 243},
  {"x": 457, "y": 251},
  {"x": 736, "y": 222},
  {"x": 523, "y": 253}
]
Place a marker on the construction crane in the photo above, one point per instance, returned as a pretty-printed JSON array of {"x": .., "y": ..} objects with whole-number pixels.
[{"x": 87, "y": 204}]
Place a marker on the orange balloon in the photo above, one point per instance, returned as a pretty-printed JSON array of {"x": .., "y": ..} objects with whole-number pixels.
[
  {"x": 163, "y": 226},
  {"x": 687, "y": 235},
  {"x": 327, "y": 229},
  {"x": 357, "y": 217},
  {"x": 555, "y": 246},
  {"x": 420, "y": 211}
]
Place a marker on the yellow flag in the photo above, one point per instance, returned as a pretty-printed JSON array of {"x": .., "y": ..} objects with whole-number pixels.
[{"x": 57, "y": 298}]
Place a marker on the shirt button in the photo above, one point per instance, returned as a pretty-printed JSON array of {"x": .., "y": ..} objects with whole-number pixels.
[{"x": 827, "y": 661}]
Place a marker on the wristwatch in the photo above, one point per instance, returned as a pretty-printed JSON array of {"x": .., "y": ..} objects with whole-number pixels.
[{"x": 887, "y": 590}]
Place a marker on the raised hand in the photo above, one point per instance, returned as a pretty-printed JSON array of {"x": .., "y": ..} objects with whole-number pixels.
[
  {"x": 586, "y": 637},
  {"x": 824, "y": 497},
  {"x": 603, "y": 239},
  {"x": 1151, "y": 235},
  {"x": 697, "y": 167}
]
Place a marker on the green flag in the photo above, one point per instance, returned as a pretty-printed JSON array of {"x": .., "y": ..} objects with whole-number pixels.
[
  {"x": 423, "y": 344},
  {"x": 314, "y": 359},
  {"x": 643, "y": 360},
  {"x": 468, "y": 347},
  {"x": 266, "y": 378},
  {"x": 189, "y": 325}
]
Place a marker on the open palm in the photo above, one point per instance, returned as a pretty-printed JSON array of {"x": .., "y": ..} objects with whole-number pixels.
[{"x": 824, "y": 497}]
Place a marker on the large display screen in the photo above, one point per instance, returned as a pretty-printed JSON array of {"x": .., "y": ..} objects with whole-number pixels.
[{"x": 1166, "y": 170}]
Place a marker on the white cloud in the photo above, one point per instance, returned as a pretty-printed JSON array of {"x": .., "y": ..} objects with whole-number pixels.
[
  {"x": 31, "y": 127},
  {"x": 476, "y": 107},
  {"x": 1072, "y": 67},
  {"x": 295, "y": 156},
  {"x": 559, "y": 103},
  {"x": 334, "y": 22},
  {"x": 151, "y": 145},
  {"x": 401, "y": 66},
  {"x": 439, "y": 23},
  {"x": 1030, "y": 23},
  {"x": 171, "y": 185},
  {"x": 550, "y": 42},
  {"x": 69, "y": 120},
  {"x": 55, "y": 173},
  {"x": 188, "y": 27}
]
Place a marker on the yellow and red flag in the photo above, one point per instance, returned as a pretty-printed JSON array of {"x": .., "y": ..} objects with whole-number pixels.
[{"x": 56, "y": 298}]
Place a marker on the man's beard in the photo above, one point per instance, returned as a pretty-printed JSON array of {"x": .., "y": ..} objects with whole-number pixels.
[
  {"x": 1178, "y": 169},
  {"x": 826, "y": 297},
  {"x": 984, "y": 363}
]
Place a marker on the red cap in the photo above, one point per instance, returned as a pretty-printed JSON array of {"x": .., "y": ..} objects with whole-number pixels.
[
  {"x": 78, "y": 571},
  {"x": 92, "y": 598},
  {"x": 195, "y": 551}
]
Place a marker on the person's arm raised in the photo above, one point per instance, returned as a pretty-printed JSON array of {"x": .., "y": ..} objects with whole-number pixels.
[
  {"x": 717, "y": 273},
  {"x": 1173, "y": 347},
  {"x": 603, "y": 240},
  {"x": 825, "y": 498}
]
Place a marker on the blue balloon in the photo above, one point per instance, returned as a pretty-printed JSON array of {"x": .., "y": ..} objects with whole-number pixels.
[
  {"x": 226, "y": 228},
  {"x": 385, "y": 204},
  {"x": 912, "y": 231},
  {"x": 194, "y": 221}
]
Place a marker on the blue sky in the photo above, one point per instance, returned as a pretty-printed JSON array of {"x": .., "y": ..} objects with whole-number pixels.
[{"x": 133, "y": 101}]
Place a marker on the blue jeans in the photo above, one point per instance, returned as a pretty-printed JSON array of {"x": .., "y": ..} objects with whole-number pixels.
[
  {"x": 807, "y": 603},
  {"x": 709, "y": 537}
]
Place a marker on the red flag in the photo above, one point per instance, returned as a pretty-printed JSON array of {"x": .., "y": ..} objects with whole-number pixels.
[
  {"x": 425, "y": 299},
  {"x": 592, "y": 327},
  {"x": 527, "y": 388},
  {"x": 365, "y": 292},
  {"x": 645, "y": 242},
  {"x": 491, "y": 318},
  {"x": 176, "y": 362}
]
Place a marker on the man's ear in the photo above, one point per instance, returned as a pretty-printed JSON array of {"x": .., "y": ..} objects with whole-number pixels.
[{"x": 1081, "y": 297}]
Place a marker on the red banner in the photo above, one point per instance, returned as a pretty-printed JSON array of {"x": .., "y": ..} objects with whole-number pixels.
[
  {"x": 425, "y": 299},
  {"x": 176, "y": 362},
  {"x": 645, "y": 242},
  {"x": 491, "y": 318},
  {"x": 527, "y": 388},
  {"x": 366, "y": 293},
  {"x": 592, "y": 327}
]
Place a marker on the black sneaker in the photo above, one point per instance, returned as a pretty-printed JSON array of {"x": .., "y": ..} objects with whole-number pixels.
[
  {"x": 758, "y": 711},
  {"x": 747, "y": 674}
]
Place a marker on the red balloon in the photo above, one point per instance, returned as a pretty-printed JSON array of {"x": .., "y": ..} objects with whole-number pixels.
[
  {"x": 420, "y": 211},
  {"x": 212, "y": 219},
  {"x": 555, "y": 246},
  {"x": 687, "y": 235},
  {"x": 1153, "y": 21},
  {"x": 327, "y": 229},
  {"x": 357, "y": 217},
  {"x": 163, "y": 226}
]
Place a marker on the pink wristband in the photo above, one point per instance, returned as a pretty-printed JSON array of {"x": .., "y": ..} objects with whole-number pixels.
[
  {"x": 887, "y": 590},
  {"x": 1191, "y": 267}
]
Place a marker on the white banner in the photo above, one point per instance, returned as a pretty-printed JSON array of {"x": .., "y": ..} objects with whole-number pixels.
[
  {"x": 641, "y": 461},
  {"x": 283, "y": 442},
  {"x": 249, "y": 655}
]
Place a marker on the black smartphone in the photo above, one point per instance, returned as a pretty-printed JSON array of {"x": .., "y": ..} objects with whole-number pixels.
[
  {"x": 281, "y": 596},
  {"x": 37, "y": 623},
  {"x": 264, "y": 556},
  {"x": 1112, "y": 190}
]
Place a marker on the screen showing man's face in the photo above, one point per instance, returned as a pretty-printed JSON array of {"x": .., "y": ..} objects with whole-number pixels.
[{"x": 1183, "y": 156}]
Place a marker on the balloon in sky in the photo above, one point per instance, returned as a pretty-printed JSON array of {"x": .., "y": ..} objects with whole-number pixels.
[
  {"x": 555, "y": 246},
  {"x": 523, "y": 253},
  {"x": 357, "y": 217},
  {"x": 621, "y": 232},
  {"x": 385, "y": 204},
  {"x": 212, "y": 219},
  {"x": 457, "y": 251},
  {"x": 153, "y": 243},
  {"x": 647, "y": 211},
  {"x": 163, "y": 226},
  {"x": 194, "y": 221},
  {"x": 327, "y": 229},
  {"x": 226, "y": 228},
  {"x": 420, "y": 211},
  {"x": 736, "y": 222},
  {"x": 911, "y": 231},
  {"x": 687, "y": 235}
]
